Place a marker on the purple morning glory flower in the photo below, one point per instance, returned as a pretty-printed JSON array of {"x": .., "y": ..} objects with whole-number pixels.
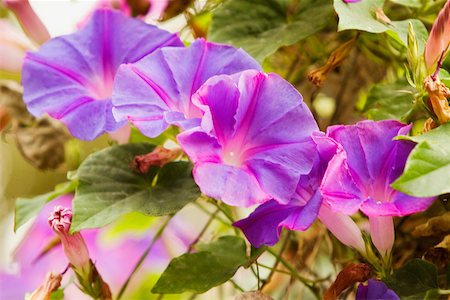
[
  {"x": 254, "y": 141},
  {"x": 71, "y": 77},
  {"x": 156, "y": 91},
  {"x": 263, "y": 226},
  {"x": 351, "y": 1},
  {"x": 375, "y": 290},
  {"x": 359, "y": 177}
]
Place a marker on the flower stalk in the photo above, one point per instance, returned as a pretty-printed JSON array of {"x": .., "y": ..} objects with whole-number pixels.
[{"x": 76, "y": 251}]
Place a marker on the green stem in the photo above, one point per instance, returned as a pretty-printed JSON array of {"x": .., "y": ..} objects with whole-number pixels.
[
  {"x": 144, "y": 256},
  {"x": 275, "y": 270},
  {"x": 202, "y": 232},
  {"x": 307, "y": 282}
]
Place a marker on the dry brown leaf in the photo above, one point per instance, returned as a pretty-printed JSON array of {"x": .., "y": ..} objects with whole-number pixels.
[
  {"x": 435, "y": 226},
  {"x": 438, "y": 94}
]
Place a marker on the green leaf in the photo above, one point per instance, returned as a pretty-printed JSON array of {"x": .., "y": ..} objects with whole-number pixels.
[
  {"x": 213, "y": 265},
  {"x": 409, "y": 3},
  {"x": 414, "y": 280},
  {"x": 169, "y": 134},
  {"x": 389, "y": 101},
  {"x": 27, "y": 208},
  {"x": 362, "y": 16},
  {"x": 262, "y": 26},
  {"x": 427, "y": 170},
  {"x": 110, "y": 187},
  {"x": 359, "y": 15},
  {"x": 57, "y": 295},
  {"x": 399, "y": 31},
  {"x": 444, "y": 76}
]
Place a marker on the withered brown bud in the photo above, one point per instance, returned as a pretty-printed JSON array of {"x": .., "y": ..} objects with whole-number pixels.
[
  {"x": 337, "y": 57},
  {"x": 438, "y": 94},
  {"x": 350, "y": 275},
  {"x": 51, "y": 283},
  {"x": 158, "y": 157}
]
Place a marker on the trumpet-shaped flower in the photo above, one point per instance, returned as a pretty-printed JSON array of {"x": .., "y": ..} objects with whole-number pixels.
[
  {"x": 263, "y": 226},
  {"x": 375, "y": 289},
  {"x": 71, "y": 77},
  {"x": 156, "y": 91},
  {"x": 359, "y": 177},
  {"x": 254, "y": 140}
]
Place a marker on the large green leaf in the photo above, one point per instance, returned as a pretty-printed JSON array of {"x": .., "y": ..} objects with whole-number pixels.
[
  {"x": 110, "y": 187},
  {"x": 389, "y": 101},
  {"x": 262, "y": 26},
  {"x": 363, "y": 16},
  {"x": 415, "y": 280},
  {"x": 427, "y": 171},
  {"x": 359, "y": 15},
  {"x": 213, "y": 265}
]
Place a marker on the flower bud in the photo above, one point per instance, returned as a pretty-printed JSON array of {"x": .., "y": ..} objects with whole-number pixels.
[
  {"x": 51, "y": 283},
  {"x": 158, "y": 157},
  {"x": 343, "y": 228},
  {"x": 31, "y": 23},
  {"x": 382, "y": 233},
  {"x": 73, "y": 244}
]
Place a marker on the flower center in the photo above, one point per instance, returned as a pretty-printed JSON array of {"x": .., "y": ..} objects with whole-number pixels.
[{"x": 232, "y": 158}]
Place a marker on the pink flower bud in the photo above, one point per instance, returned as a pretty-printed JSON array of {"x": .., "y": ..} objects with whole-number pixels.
[
  {"x": 13, "y": 45},
  {"x": 30, "y": 22},
  {"x": 343, "y": 228},
  {"x": 158, "y": 157},
  {"x": 382, "y": 233},
  {"x": 73, "y": 244}
]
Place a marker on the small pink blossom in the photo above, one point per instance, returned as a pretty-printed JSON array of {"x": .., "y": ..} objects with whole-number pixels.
[{"x": 73, "y": 244}]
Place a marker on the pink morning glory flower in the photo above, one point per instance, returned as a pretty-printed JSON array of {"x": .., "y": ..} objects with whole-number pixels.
[
  {"x": 375, "y": 289},
  {"x": 254, "y": 140},
  {"x": 358, "y": 177},
  {"x": 71, "y": 77},
  {"x": 156, "y": 91},
  {"x": 264, "y": 225}
]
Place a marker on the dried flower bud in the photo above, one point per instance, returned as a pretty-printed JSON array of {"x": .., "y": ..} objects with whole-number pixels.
[
  {"x": 381, "y": 16},
  {"x": 254, "y": 295},
  {"x": 30, "y": 22},
  {"x": 73, "y": 244},
  {"x": 158, "y": 157},
  {"x": 438, "y": 94},
  {"x": 350, "y": 275},
  {"x": 51, "y": 283},
  {"x": 337, "y": 57}
]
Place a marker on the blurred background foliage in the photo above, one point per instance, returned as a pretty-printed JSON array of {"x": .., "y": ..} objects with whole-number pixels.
[{"x": 349, "y": 64}]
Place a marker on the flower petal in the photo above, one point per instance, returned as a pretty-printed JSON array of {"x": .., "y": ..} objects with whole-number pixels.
[
  {"x": 83, "y": 66},
  {"x": 232, "y": 185},
  {"x": 168, "y": 78}
]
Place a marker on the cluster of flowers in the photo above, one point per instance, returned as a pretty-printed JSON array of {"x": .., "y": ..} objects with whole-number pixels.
[{"x": 250, "y": 136}]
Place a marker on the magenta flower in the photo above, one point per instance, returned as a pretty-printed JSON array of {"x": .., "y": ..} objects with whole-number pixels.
[
  {"x": 71, "y": 77},
  {"x": 359, "y": 177},
  {"x": 264, "y": 225},
  {"x": 156, "y": 91},
  {"x": 73, "y": 244},
  {"x": 254, "y": 141},
  {"x": 375, "y": 289},
  {"x": 115, "y": 257}
]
